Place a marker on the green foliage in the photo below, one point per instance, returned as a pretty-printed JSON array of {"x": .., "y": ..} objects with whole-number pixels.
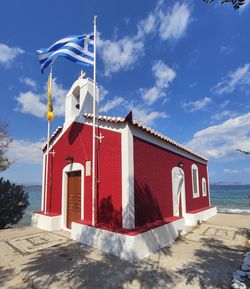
[
  {"x": 236, "y": 3},
  {"x": 4, "y": 143},
  {"x": 13, "y": 202},
  {"x": 244, "y": 152}
]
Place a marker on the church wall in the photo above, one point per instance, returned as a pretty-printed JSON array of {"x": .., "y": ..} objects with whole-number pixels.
[
  {"x": 77, "y": 143},
  {"x": 153, "y": 182}
]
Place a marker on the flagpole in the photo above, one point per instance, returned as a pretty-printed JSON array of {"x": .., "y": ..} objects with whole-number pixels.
[
  {"x": 48, "y": 139},
  {"x": 94, "y": 135}
]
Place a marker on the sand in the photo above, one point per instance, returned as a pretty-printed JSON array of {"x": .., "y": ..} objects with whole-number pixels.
[{"x": 206, "y": 257}]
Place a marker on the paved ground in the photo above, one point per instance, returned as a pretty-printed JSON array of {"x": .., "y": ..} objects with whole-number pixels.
[{"x": 204, "y": 258}]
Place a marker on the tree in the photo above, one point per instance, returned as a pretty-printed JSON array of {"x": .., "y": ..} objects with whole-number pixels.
[
  {"x": 4, "y": 143},
  {"x": 244, "y": 152},
  {"x": 13, "y": 202},
  {"x": 236, "y": 3}
]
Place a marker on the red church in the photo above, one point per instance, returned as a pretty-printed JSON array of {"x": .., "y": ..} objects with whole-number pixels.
[{"x": 148, "y": 187}]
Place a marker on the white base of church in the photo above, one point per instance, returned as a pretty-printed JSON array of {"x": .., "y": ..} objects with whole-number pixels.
[
  {"x": 128, "y": 247},
  {"x": 193, "y": 219},
  {"x": 45, "y": 222}
]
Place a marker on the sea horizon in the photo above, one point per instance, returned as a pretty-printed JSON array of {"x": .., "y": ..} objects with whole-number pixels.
[{"x": 230, "y": 198}]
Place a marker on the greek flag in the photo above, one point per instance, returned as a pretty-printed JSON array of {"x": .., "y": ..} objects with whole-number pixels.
[{"x": 77, "y": 48}]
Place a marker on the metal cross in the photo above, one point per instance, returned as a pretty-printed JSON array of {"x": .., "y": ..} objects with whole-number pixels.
[{"x": 100, "y": 137}]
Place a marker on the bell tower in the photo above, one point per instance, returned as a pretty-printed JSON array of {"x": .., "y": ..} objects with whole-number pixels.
[{"x": 79, "y": 99}]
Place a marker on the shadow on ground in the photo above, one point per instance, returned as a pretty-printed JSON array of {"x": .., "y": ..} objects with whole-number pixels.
[
  {"x": 6, "y": 274},
  {"x": 213, "y": 265},
  {"x": 77, "y": 266},
  {"x": 73, "y": 265}
]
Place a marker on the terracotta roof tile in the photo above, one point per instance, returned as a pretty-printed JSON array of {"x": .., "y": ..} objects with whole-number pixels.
[
  {"x": 53, "y": 137},
  {"x": 146, "y": 129}
]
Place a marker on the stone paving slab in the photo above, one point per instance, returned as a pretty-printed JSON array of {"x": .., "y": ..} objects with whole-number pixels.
[
  {"x": 204, "y": 258},
  {"x": 33, "y": 243},
  {"x": 228, "y": 235}
]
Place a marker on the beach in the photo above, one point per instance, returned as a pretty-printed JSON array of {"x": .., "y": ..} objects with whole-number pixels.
[{"x": 205, "y": 257}]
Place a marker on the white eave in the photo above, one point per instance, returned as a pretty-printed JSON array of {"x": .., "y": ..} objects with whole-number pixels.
[
  {"x": 146, "y": 129},
  {"x": 53, "y": 137}
]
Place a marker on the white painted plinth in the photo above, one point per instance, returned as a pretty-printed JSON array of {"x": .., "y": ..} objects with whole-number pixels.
[
  {"x": 127, "y": 247},
  {"x": 49, "y": 223},
  {"x": 192, "y": 219}
]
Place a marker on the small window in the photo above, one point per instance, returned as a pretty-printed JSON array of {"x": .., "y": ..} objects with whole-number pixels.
[
  {"x": 195, "y": 181},
  {"x": 204, "y": 187}
]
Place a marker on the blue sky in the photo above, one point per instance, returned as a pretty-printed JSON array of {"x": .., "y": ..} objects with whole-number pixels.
[{"x": 183, "y": 67}]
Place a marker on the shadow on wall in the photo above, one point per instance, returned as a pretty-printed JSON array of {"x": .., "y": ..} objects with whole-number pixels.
[
  {"x": 74, "y": 132},
  {"x": 147, "y": 209},
  {"x": 107, "y": 214}
]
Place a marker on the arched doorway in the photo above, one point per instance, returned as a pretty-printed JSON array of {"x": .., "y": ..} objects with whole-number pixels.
[
  {"x": 72, "y": 194},
  {"x": 178, "y": 191}
]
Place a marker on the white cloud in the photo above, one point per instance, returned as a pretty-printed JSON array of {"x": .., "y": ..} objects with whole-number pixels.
[
  {"x": 226, "y": 50},
  {"x": 223, "y": 114},
  {"x": 237, "y": 171},
  {"x": 243, "y": 7},
  {"x": 8, "y": 54},
  {"x": 164, "y": 75},
  {"x": 140, "y": 112},
  {"x": 197, "y": 105},
  {"x": 29, "y": 102},
  {"x": 221, "y": 141},
  {"x": 102, "y": 92},
  {"x": 147, "y": 25},
  {"x": 240, "y": 78},
  {"x": 224, "y": 103},
  {"x": 174, "y": 23},
  {"x": 36, "y": 104},
  {"x": 111, "y": 104},
  {"x": 58, "y": 95},
  {"x": 25, "y": 152},
  {"x": 120, "y": 54},
  {"x": 145, "y": 115},
  {"x": 29, "y": 82}
]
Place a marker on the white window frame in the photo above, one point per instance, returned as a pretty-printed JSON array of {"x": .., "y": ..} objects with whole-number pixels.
[
  {"x": 194, "y": 167},
  {"x": 204, "y": 187}
]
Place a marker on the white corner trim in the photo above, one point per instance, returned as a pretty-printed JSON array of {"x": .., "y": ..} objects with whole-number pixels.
[
  {"x": 208, "y": 187},
  {"x": 43, "y": 182},
  {"x": 194, "y": 167},
  {"x": 48, "y": 223},
  {"x": 128, "y": 206},
  {"x": 178, "y": 189},
  {"x": 192, "y": 219},
  {"x": 127, "y": 247},
  {"x": 71, "y": 168}
]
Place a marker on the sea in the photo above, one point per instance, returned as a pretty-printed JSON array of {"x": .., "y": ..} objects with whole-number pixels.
[{"x": 227, "y": 199}]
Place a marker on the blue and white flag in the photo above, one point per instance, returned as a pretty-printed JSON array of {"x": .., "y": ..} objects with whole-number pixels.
[{"x": 77, "y": 48}]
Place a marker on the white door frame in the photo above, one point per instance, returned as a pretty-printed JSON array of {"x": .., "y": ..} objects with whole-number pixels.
[
  {"x": 71, "y": 168},
  {"x": 178, "y": 189}
]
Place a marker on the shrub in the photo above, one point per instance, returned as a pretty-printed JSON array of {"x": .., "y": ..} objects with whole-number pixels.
[{"x": 13, "y": 202}]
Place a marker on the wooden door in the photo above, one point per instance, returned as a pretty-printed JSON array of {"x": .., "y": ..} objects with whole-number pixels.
[{"x": 74, "y": 197}]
